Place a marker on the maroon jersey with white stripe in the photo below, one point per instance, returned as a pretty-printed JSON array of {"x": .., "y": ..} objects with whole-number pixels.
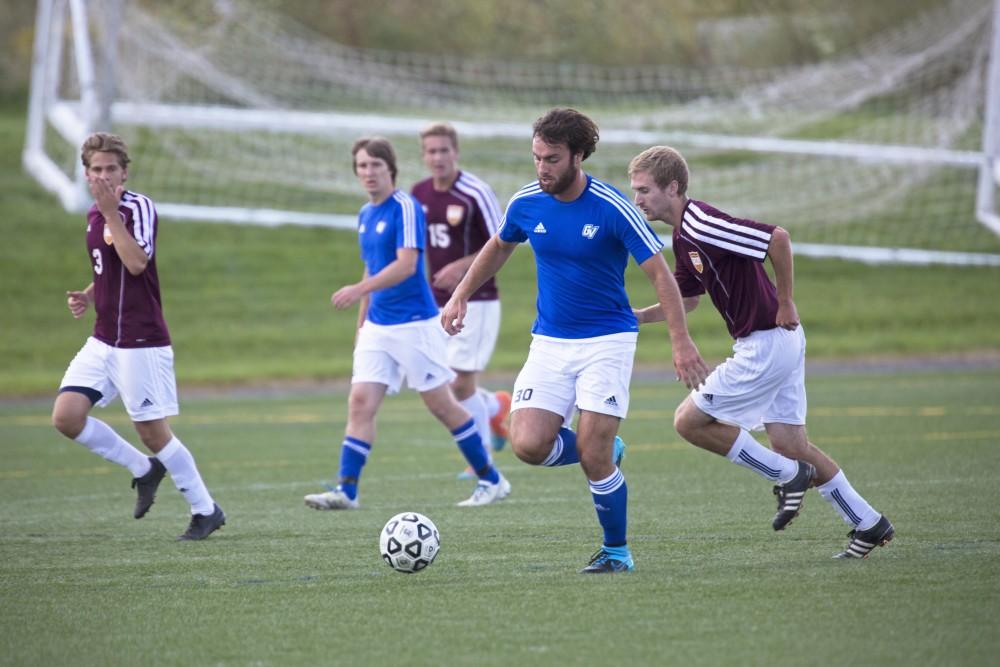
[
  {"x": 128, "y": 307},
  {"x": 460, "y": 221},
  {"x": 724, "y": 256}
]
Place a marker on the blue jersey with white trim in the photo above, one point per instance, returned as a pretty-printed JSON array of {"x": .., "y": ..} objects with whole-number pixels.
[
  {"x": 398, "y": 222},
  {"x": 581, "y": 250}
]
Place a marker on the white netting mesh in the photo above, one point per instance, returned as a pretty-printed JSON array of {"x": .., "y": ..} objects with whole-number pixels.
[{"x": 920, "y": 84}]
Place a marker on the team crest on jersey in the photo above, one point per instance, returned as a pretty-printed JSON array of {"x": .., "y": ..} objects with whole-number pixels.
[
  {"x": 380, "y": 226},
  {"x": 107, "y": 235},
  {"x": 590, "y": 231},
  {"x": 454, "y": 214},
  {"x": 696, "y": 260}
]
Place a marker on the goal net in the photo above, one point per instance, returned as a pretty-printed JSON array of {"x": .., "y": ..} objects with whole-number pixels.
[{"x": 884, "y": 151}]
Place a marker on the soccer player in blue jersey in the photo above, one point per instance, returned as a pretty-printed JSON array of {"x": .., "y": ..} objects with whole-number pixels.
[
  {"x": 582, "y": 232},
  {"x": 763, "y": 383},
  {"x": 398, "y": 335}
]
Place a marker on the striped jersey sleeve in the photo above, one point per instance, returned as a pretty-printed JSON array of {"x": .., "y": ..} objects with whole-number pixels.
[
  {"x": 510, "y": 233},
  {"x": 411, "y": 237},
  {"x": 712, "y": 227},
  {"x": 482, "y": 194},
  {"x": 143, "y": 218},
  {"x": 649, "y": 243}
]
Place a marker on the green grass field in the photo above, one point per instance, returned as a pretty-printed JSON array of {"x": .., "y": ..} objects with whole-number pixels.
[{"x": 83, "y": 583}]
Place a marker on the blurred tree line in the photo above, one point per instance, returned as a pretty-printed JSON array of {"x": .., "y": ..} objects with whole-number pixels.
[{"x": 598, "y": 32}]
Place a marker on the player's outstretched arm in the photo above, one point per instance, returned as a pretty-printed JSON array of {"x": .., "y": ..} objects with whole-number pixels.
[
  {"x": 488, "y": 262},
  {"x": 780, "y": 252},
  {"x": 691, "y": 368}
]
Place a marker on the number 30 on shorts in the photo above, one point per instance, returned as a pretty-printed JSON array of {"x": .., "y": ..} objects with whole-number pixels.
[{"x": 523, "y": 395}]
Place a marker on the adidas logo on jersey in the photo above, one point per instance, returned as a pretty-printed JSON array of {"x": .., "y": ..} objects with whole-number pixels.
[
  {"x": 146, "y": 403},
  {"x": 610, "y": 401},
  {"x": 708, "y": 397},
  {"x": 601, "y": 508},
  {"x": 540, "y": 229}
]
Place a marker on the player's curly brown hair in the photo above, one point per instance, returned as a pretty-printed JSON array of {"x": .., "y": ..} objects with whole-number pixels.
[
  {"x": 103, "y": 142},
  {"x": 569, "y": 127}
]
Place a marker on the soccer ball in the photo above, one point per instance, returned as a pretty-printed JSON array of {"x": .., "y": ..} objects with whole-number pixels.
[{"x": 409, "y": 542}]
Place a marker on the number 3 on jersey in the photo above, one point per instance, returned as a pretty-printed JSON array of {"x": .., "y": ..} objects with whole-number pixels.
[
  {"x": 98, "y": 261},
  {"x": 439, "y": 236}
]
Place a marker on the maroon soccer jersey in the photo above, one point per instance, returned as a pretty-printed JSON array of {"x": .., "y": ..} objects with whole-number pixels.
[
  {"x": 724, "y": 256},
  {"x": 128, "y": 307},
  {"x": 459, "y": 222}
]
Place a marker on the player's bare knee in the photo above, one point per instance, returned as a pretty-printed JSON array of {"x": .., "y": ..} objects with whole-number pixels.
[
  {"x": 68, "y": 423},
  {"x": 532, "y": 452}
]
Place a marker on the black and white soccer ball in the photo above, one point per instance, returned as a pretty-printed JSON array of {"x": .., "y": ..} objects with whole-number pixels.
[{"x": 409, "y": 542}]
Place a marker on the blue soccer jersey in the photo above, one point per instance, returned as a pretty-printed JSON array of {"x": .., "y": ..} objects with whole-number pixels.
[
  {"x": 398, "y": 222},
  {"x": 581, "y": 250}
]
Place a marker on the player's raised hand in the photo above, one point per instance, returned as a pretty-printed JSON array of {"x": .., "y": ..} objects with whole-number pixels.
[
  {"x": 453, "y": 315},
  {"x": 105, "y": 196},
  {"x": 77, "y": 303},
  {"x": 346, "y": 296},
  {"x": 690, "y": 367},
  {"x": 788, "y": 315}
]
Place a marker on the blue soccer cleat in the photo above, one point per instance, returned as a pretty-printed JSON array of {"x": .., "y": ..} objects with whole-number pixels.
[{"x": 604, "y": 563}]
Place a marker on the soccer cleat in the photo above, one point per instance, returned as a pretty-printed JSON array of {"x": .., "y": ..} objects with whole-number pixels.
[
  {"x": 203, "y": 525},
  {"x": 499, "y": 432},
  {"x": 604, "y": 563},
  {"x": 618, "y": 453},
  {"x": 791, "y": 493},
  {"x": 332, "y": 500},
  {"x": 863, "y": 542},
  {"x": 486, "y": 493},
  {"x": 145, "y": 487}
]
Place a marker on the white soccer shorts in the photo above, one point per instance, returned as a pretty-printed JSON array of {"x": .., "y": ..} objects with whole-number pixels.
[
  {"x": 143, "y": 376},
  {"x": 472, "y": 347},
  {"x": 764, "y": 382},
  {"x": 385, "y": 354},
  {"x": 591, "y": 374}
]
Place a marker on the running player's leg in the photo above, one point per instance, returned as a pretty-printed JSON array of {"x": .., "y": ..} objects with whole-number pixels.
[
  {"x": 602, "y": 389},
  {"x": 85, "y": 384},
  {"x": 145, "y": 379}
]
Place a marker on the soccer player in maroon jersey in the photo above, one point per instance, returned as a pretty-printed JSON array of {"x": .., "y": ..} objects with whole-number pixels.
[
  {"x": 129, "y": 352},
  {"x": 763, "y": 383},
  {"x": 462, "y": 214}
]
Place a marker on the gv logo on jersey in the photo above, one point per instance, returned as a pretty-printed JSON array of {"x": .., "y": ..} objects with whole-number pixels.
[
  {"x": 454, "y": 214},
  {"x": 696, "y": 261},
  {"x": 590, "y": 231},
  {"x": 380, "y": 226}
]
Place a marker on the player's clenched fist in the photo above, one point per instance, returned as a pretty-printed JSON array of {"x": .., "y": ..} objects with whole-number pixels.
[{"x": 453, "y": 315}]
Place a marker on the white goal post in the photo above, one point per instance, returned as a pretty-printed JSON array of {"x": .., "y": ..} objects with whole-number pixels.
[{"x": 889, "y": 153}]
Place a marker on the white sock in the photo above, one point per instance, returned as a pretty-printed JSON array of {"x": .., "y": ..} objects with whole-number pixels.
[
  {"x": 490, "y": 398},
  {"x": 767, "y": 463},
  {"x": 178, "y": 461},
  {"x": 852, "y": 508},
  {"x": 101, "y": 439},
  {"x": 477, "y": 408}
]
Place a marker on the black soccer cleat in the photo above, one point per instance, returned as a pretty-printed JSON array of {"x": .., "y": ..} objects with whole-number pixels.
[
  {"x": 604, "y": 563},
  {"x": 146, "y": 486},
  {"x": 791, "y": 494},
  {"x": 863, "y": 542},
  {"x": 203, "y": 525}
]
